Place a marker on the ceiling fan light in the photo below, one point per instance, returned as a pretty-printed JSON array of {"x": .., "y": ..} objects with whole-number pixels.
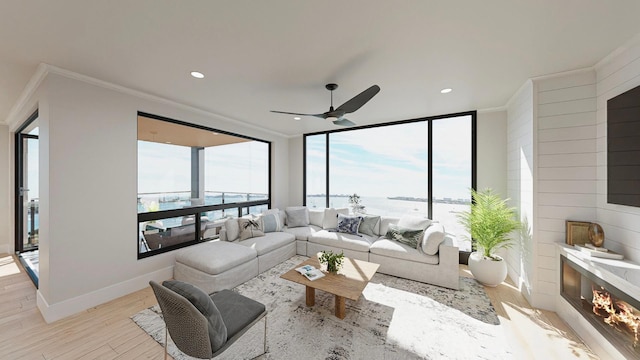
[{"x": 332, "y": 118}]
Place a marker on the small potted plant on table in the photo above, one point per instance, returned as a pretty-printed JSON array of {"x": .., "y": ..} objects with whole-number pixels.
[{"x": 330, "y": 260}]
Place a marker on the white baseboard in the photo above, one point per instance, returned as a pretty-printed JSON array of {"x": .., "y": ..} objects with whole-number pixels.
[{"x": 57, "y": 311}]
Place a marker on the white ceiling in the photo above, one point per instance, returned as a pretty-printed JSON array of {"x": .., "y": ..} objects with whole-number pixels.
[{"x": 279, "y": 54}]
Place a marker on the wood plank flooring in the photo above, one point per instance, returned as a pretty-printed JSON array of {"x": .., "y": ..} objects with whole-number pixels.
[{"x": 106, "y": 332}]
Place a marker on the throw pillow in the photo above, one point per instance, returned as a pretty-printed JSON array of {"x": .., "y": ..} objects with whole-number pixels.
[
  {"x": 414, "y": 222},
  {"x": 409, "y": 237},
  {"x": 270, "y": 223},
  {"x": 330, "y": 220},
  {"x": 297, "y": 216},
  {"x": 348, "y": 224},
  {"x": 368, "y": 225},
  {"x": 249, "y": 228},
  {"x": 232, "y": 229},
  {"x": 433, "y": 237},
  {"x": 206, "y": 306}
]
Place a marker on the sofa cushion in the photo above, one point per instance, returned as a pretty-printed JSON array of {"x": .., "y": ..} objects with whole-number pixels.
[
  {"x": 316, "y": 216},
  {"x": 297, "y": 216},
  {"x": 370, "y": 225},
  {"x": 330, "y": 220},
  {"x": 206, "y": 306},
  {"x": 348, "y": 224},
  {"x": 215, "y": 257},
  {"x": 269, "y": 242},
  {"x": 394, "y": 249},
  {"x": 384, "y": 224},
  {"x": 433, "y": 237},
  {"x": 414, "y": 222},
  {"x": 249, "y": 228},
  {"x": 303, "y": 232},
  {"x": 409, "y": 237},
  {"x": 341, "y": 240}
]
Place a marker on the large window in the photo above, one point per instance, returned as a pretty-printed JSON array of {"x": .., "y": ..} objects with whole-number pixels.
[
  {"x": 420, "y": 167},
  {"x": 190, "y": 179}
]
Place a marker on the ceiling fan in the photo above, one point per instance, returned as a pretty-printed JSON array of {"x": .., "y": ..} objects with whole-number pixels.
[{"x": 337, "y": 115}]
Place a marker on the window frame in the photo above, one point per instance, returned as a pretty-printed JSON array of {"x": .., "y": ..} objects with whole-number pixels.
[
  {"x": 429, "y": 120},
  {"x": 198, "y": 209}
]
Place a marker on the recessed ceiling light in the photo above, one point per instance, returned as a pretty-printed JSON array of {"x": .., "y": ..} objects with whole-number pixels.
[
  {"x": 297, "y": 118},
  {"x": 446, "y": 91},
  {"x": 197, "y": 74}
]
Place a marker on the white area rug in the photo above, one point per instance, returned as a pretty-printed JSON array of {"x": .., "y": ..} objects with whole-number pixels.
[{"x": 394, "y": 319}]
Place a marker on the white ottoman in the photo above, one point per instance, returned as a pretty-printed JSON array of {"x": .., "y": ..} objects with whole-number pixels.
[{"x": 216, "y": 265}]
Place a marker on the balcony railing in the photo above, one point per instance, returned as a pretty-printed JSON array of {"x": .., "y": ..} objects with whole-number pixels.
[{"x": 171, "y": 220}]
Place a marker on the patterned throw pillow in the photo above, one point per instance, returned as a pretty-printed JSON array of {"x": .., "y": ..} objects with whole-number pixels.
[
  {"x": 405, "y": 236},
  {"x": 249, "y": 228},
  {"x": 348, "y": 224},
  {"x": 270, "y": 223}
]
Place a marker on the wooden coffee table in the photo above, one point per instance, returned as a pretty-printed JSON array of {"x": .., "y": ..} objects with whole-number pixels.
[{"x": 348, "y": 283}]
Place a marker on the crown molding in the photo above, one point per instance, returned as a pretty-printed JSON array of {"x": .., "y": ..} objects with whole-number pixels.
[
  {"x": 16, "y": 114},
  {"x": 634, "y": 41},
  {"x": 14, "y": 119}
]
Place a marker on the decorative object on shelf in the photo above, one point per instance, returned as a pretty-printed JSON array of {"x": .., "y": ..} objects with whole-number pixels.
[
  {"x": 577, "y": 232},
  {"x": 330, "y": 260},
  {"x": 356, "y": 205},
  {"x": 596, "y": 235},
  {"x": 489, "y": 222}
]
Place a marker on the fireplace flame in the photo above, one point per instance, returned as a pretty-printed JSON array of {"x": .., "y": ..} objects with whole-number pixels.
[{"x": 618, "y": 313}]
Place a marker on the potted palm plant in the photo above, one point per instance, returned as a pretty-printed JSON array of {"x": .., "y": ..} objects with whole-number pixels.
[{"x": 489, "y": 222}]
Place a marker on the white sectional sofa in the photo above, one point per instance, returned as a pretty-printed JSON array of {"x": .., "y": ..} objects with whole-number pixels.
[{"x": 433, "y": 260}]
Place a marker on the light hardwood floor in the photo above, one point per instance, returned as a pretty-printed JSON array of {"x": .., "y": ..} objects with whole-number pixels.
[{"x": 106, "y": 332}]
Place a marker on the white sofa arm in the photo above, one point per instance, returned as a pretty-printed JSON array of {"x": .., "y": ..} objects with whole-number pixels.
[{"x": 448, "y": 250}]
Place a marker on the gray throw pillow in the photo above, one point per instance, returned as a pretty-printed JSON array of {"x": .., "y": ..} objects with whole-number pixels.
[
  {"x": 368, "y": 225},
  {"x": 204, "y": 304},
  {"x": 297, "y": 217},
  {"x": 409, "y": 237}
]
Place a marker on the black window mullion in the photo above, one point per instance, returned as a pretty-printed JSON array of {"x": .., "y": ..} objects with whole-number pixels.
[{"x": 430, "y": 169}]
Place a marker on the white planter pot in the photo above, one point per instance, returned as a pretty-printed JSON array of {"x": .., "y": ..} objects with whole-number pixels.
[{"x": 487, "y": 271}]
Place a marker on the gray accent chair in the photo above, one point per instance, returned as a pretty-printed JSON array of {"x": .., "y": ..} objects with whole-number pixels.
[{"x": 202, "y": 325}]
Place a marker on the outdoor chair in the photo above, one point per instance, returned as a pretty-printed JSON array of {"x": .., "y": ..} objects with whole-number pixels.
[{"x": 202, "y": 325}]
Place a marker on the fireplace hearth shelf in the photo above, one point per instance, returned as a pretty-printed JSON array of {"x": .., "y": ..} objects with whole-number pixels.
[{"x": 600, "y": 299}]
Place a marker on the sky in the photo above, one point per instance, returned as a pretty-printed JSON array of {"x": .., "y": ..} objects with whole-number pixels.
[
  {"x": 392, "y": 160},
  {"x": 240, "y": 167}
]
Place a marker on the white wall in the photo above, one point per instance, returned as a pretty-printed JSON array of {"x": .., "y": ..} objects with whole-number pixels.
[
  {"x": 492, "y": 151},
  {"x": 296, "y": 170},
  {"x": 88, "y": 165},
  {"x": 520, "y": 185},
  {"x": 566, "y": 169},
  {"x": 621, "y": 224},
  {"x": 6, "y": 204}
]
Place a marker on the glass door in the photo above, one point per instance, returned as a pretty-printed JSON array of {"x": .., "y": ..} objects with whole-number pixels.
[{"x": 27, "y": 189}]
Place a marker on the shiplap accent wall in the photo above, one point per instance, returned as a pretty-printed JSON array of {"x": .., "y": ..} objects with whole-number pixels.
[
  {"x": 520, "y": 183},
  {"x": 566, "y": 169},
  {"x": 621, "y": 224}
]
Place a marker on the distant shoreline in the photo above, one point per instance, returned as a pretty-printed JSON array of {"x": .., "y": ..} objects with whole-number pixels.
[{"x": 405, "y": 198}]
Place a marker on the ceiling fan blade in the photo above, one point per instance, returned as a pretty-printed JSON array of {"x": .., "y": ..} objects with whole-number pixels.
[
  {"x": 292, "y": 113},
  {"x": 344, "y": 122},
  {"x": 357, "y": 101}
]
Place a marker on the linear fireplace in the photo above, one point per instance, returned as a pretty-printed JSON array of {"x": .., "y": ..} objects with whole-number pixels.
[{"x": 610, "y": 310}]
